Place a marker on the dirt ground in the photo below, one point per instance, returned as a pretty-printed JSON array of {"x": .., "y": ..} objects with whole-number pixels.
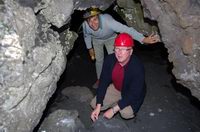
[{"x": 168, "y": 106}]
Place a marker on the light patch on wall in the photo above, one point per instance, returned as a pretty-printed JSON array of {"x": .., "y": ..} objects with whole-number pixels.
[
  {"x": 11, "y": 48},
  {"x": 190, "y": 76}
]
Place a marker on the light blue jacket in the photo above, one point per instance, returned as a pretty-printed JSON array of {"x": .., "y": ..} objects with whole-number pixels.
[{"x": 109, "y": 28}]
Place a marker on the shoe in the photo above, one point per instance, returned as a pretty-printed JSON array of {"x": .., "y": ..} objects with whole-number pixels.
[{"x": 96, "y": 84}]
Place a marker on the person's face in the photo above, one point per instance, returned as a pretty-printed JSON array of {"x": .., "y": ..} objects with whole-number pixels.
[
  {"x": 123, "y": 54},
  {"x": 93, "y": 22}
]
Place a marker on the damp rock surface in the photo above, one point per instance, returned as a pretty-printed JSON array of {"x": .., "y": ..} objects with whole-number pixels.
[
  {"x": 105, "y": 125},
  {"x": 62, "y": 121},
  {"x": 179, "y": 23},
  {"x": 32, "y": 59}
]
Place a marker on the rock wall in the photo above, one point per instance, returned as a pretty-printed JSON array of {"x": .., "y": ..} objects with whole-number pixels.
[
  {"x": 32, "y": 60},
  {"x": 131, "y": 11},
  {"x": 32, "y": 57},
  {"x": 179, "y": 25}
]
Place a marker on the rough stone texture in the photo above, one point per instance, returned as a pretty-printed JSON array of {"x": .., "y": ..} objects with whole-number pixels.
[
  {"x": 28, "y": 3},
  {"x": 84, "y": 4},
  {"x": 62, "y": 121},
  {"x": 131, "y": 12},
  {"x": 105, "y": 125},
  {"x": 31, "y": 62},
  {"x": 82, "y": 94},
  {"x": 78, "y": 98},
  {"x": 32, "y": 57},
  {"x": 56, "y": 12},
  {"x": 17, "y": 37},
  {"x": 67, "y": 39},
  {"x": 74, "y": 97},
  {"x": 179, "y": 25}
]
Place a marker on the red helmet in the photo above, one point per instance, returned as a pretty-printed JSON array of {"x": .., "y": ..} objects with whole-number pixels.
[{"x": 124, "y": 39}]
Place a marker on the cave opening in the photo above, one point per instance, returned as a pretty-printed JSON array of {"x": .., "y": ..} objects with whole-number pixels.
[{"x": 80, "y": 70}]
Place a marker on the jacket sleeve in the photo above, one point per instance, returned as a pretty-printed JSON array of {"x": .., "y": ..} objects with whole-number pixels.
[
  {"x": 105, "y": 79},
  {"x": 120, "y": 28},
  {"x": 135, "y": 89},
  {"x": 87, "y": 37}
]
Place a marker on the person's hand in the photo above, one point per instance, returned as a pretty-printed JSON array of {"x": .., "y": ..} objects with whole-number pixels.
[
  {"x": 151, "y": 39},
  {"x": 109, "y": 114},
  {"x": 92, "y": 54},
  {"x": 95, "y": 113}
]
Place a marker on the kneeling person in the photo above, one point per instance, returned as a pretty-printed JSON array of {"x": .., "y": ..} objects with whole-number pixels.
[{"x": 122, "y": 82}]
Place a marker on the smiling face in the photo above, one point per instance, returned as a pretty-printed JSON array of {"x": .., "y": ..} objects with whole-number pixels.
[
  {"x": 123, "y": 54},
  {"x": 93, "y": 22}
]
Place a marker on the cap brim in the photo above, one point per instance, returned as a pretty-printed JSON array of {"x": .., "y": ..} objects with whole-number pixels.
[{"x": 88, "y": 14}]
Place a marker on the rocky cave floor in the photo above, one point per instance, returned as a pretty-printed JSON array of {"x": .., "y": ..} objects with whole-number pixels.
[{"x": 168, "y": 106}]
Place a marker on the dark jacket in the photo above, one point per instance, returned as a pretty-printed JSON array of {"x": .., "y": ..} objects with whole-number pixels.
[{"x": 133, "y": 88}]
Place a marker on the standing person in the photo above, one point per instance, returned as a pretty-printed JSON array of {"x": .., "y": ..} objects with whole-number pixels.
[
  {"x": 122, "y": 82},
  {"x": 100, "y": 30}
]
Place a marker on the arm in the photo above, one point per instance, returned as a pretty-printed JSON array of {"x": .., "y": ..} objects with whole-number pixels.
[
  {"x": 88, "y": 42},
  {"x": 118, "y": 27},
  {"x": 95, "y": 113},
  {"x": 87, "y": 37},
  {"x": 105, "y": 78}
]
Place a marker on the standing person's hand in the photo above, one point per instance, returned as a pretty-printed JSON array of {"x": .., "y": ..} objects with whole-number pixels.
[
  {"x": 151, "y": 39},
  {"x": 95, "y": 113},
  {"x": 92, "y": 54}
]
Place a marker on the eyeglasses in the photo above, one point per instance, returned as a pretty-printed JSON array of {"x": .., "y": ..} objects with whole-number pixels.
[{"x": 122, "y": 49}]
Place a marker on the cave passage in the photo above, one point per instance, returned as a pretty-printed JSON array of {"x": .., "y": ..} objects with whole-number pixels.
[{"x": 168, "y": 106}]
